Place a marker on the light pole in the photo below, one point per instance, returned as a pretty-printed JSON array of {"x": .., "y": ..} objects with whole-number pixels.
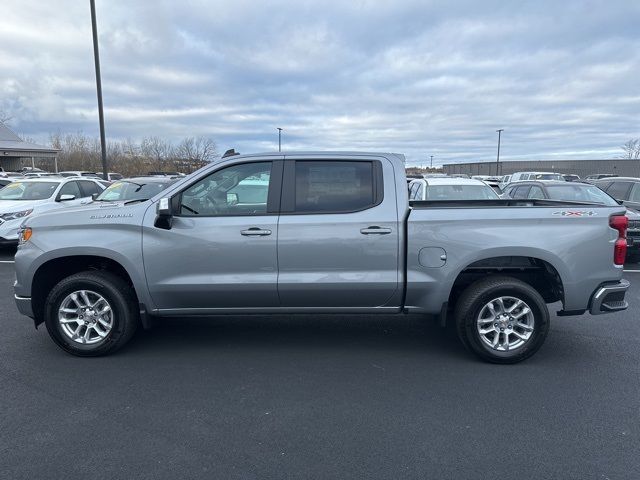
[
  {"x": 279, "y": 139},
  {"x": 500, "y": 130},
  {"x": 431, "y": 160},
  {"x": 96, "y": 58}
]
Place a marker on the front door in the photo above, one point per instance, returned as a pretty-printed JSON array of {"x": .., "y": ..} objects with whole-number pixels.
[
  {"x": 221, "y": 249},
  {"x": 338, "y": 241}
]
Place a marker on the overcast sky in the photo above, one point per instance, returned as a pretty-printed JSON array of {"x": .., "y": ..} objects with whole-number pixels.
[{"x": 415, "y": 77}]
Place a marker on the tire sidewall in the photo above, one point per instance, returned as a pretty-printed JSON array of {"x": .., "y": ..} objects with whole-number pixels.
[
  {"x": 540, "y": 316},
  {"x": 112, "y": 296}
]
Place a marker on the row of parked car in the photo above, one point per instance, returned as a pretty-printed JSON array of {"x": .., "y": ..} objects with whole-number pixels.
[
  {"x": 30, "y": 193},
  {"x": 603, "y": 189}
]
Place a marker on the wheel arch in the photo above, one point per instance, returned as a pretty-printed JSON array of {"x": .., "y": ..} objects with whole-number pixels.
[
  {"x": 538, "y": 272},
  {"x": 62, "y": 264}
]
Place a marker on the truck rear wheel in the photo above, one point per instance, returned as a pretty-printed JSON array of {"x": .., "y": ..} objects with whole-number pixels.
[
  {"x": 91, "y": 313},
  {"x": 502, "y": 319}
]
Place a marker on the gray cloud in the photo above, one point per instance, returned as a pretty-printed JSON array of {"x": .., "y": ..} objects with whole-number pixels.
[{"x": 560, "y": 77}]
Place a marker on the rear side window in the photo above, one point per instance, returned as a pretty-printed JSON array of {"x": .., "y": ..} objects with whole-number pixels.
[
  {"x": 89, "y": 188},
  {"x": 334, "y": 186},
  {"x": 619, "y": 190}
]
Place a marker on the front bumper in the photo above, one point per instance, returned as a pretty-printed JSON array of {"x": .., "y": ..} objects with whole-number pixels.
[
  {"x": 24, "y": 305},
  {"x": 609, "y": 298},
  {"x": 9, "y": 231}
]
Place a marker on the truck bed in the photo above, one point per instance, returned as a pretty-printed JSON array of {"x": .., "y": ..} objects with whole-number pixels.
[{"x": 446, "y": 238}]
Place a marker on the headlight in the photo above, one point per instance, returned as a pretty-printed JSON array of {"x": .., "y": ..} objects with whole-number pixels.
[
  {"x": 24, "y": 235},
  {"x": 15, "y": 215}
]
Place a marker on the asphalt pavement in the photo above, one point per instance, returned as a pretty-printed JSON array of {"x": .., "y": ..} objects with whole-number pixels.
[{"x": 320, "y": 397}]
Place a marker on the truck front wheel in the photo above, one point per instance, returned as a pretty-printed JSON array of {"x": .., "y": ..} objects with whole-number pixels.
[
  {"x": 502, "y": 319},
  {"x": 91, "y": 313}
]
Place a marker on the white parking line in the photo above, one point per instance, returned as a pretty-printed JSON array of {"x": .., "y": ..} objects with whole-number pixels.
[
  {"x": 7, "y": 261},
  {"x": 632, "y": 271}
]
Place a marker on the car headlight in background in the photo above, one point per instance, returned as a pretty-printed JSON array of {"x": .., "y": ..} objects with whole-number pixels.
[{"x": 15, "y": 215}]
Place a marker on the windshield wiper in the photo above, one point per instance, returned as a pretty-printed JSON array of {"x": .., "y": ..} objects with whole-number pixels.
[{"x": 135, "y": 200}]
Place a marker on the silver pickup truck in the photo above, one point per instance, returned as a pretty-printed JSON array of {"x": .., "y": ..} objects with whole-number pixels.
[{"x": 321, "y": 233}]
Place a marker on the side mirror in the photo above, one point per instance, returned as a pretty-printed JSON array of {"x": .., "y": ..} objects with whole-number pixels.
[
  {"x": 67, "y": 197},
  {"x": 232, "y": 198},
  {"x": 94, "y": 196},
  {"x": 164, "y": 214}
]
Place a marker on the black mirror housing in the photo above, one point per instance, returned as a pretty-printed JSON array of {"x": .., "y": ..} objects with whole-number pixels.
[{"x": 164, "y": 214}]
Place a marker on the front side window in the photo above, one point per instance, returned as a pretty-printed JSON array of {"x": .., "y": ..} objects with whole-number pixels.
[
  {"x": 71, "y": 188},
  {"x": 635, "y": 193},
  {"x": 240, "y": 189},
  {"x": 333, "y": 187}
]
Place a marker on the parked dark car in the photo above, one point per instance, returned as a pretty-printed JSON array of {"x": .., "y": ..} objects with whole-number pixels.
[
  {"x": 584, "y": 192},
  {"x": 553, "y": 190},
  {"x": 599, "y": 176},
  {"x": 569, "y": 177},
  {"x": 626, "y": 190}
]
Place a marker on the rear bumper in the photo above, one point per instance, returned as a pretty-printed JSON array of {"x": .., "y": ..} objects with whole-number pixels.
[
  {"x": 24, "y": 305},
  {"x": 609, "y": 298}
]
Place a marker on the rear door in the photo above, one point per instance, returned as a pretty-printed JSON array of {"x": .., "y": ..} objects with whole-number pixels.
[{"x": 338, "y": 235}]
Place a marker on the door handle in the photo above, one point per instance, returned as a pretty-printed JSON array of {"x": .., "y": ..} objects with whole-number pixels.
[
  {"x": 375, "y": 230},
  {"x": 255, "y": 232}
]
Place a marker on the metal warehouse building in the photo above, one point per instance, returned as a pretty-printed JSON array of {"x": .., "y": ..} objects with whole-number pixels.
[
  {"x": 14, "y": 152},
  {"x": 619, "y": 166}
]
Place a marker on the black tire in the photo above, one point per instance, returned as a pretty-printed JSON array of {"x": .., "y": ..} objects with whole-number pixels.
[
  {"x": 114, "y": 290},
  {"x": 470, "y": 303}
]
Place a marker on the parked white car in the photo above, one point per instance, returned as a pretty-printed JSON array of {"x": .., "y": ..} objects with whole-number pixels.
[
  {"x": 536, "y": 176},
  {"x": 38, "y": 195},
  {"x": 450, "y": 189}
]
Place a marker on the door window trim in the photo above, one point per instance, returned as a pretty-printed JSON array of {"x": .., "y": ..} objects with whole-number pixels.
[{"x": 288, "y": 200}]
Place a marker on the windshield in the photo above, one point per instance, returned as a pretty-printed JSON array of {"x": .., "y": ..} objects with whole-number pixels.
[
  {"x": 461, "y": 192},
  {"x": 580, "y": 193},
  {"x": 28, "y": 190},
  {"x": 126, "y": 190}
]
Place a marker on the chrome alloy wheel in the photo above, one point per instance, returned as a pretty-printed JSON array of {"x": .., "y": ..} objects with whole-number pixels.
[
  {"x": 505, "y": 323},
  {"x": 85, "y": 317}
]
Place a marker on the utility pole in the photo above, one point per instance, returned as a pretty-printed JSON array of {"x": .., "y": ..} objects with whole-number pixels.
[
  {"x": 279, "y": 139},
  {"x": 96, "y": 58},
  {"x": 500, "y": 130},
  {"x": 431, "y": 161}
]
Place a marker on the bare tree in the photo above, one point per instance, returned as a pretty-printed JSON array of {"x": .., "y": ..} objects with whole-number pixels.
[
  {"x": 197, "y": 151},
  {"x": 5, "y": 118},
  {"x": 157, "y": 149},
  {"x": 631, "y": 149}
]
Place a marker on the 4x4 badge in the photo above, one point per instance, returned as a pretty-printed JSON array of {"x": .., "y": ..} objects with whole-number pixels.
[{"x": 576, "y": 213}]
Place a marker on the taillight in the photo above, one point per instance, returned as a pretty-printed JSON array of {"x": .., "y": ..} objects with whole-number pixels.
[{"x": 619, "y": 223}]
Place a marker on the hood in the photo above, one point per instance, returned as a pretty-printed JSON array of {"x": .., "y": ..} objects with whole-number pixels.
[
  {"x": 91, "y": 214},
  {"x": 10, "y": 206}
]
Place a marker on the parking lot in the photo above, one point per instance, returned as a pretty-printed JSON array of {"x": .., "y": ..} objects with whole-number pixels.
[{"x": 320, "y": 397}]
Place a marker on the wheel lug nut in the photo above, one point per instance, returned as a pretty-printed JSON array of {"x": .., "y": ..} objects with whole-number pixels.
[
  {"x": 510, "y": 326},
  {"x": 495, "y": 324},
  {"x": 502, "y": 329}
]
